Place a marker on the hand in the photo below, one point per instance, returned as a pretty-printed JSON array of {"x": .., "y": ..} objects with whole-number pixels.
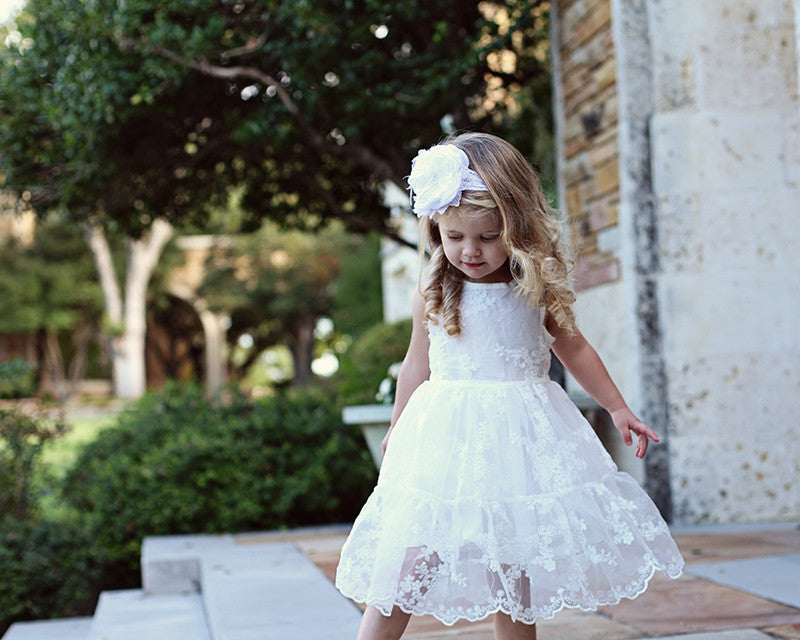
[{"x": 626, "y": 422}]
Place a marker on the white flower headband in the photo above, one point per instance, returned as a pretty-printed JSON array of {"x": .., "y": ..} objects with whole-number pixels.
[{"x": 438, "y": 176}]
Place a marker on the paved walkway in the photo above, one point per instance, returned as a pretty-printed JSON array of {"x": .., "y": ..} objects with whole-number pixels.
[{"x": 741, "y": 583}]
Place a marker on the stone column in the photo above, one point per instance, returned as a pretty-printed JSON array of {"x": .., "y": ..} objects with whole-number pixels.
[{"x": 638, "y": 219}]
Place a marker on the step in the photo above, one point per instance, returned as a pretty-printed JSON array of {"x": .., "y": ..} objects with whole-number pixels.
[
  {"x": 134, "y": 615},
  {"x": 171, "y": 564},
  {"x": 61, "y": 629},
  {"x": 272, "y": 592}
]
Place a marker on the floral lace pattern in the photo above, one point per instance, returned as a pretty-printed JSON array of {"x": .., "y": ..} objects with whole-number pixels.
[{"x": 495, "y": 494}]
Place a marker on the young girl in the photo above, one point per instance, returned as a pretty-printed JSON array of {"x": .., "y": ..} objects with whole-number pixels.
[{"x": 495, "y": 495}]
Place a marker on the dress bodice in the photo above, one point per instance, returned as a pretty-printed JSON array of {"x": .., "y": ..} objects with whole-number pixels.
[{"x": 502, "y": 338}]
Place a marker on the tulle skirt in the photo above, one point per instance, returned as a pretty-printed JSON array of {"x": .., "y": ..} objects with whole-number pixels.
[{"x": 498, "y": 496}]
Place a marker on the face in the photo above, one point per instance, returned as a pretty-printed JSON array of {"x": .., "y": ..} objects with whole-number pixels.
[{"x": 473, "y": 245}]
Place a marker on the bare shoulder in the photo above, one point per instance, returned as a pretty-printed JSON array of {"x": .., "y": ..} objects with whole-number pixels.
[{"x": 563, "y": 339}]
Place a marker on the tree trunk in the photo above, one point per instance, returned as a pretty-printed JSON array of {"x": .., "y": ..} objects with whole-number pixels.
[
  {"x": 77, "y": 366},
  {"x": 126, "y": 316},
  {"x": 302, "y": 347}
]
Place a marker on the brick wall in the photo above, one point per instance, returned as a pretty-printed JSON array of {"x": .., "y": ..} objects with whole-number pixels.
[{"x": 590, "y": 166}]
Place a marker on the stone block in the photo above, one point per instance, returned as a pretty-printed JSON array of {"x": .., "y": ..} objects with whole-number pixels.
[
  {"x": 606, "y": 74},
  {"x": 775, "y": 578},
  {"x": 171, "y": 564},
  {"x": 608, "y": 241},
  {"x": 748, "y": 232},
  {"x": 737, "y": 478},
  {"x": 569, "y": 15},
  {"x": 606, "y": 177},
  {"x": 594, "y": 270},
  {"x": 66, "y": 629},
  {"x": 263, "y": 592},
  {"x": 754, "y": 68},
  {"x": 674, "y": 71},
  {"x": 602, "y": 214},
  {"x": 605, "y": 147},
  {"x": 721, "y": 396},
  {"x": 681, "y": 16},
  {"x": 690, "y": 16},
  {"x": 744, "y": 15},
  {"x": 717, "y": 150},
  {"x": 599, "y": 18},
  {"x": 729, "y": 313},
  {"x": 131, "y": 615},
  {"x": 574, "y": 201},
  {"x": 791, "y": 151},
  {"x": 576, "y": 169}
]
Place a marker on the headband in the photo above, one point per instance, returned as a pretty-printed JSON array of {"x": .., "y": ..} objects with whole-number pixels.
[{"x": 438, "y": 176}]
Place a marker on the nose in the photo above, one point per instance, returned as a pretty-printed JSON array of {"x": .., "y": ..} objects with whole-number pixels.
[{"x": 472, "y": 249}]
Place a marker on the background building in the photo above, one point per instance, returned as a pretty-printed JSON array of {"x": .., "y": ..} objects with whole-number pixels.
[
  {"x": 678, "y": 131},
  {"x": 678, "y": 126}
]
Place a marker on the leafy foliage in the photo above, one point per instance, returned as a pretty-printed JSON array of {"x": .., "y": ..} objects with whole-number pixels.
[
  {"x": 179, "y": 463},
  {"x": 17, "y": 379},
  {"x": 50, "y": 289},
  {"x": 144, "y": 108},
  {"x": 50, "y": 284},
  {"x": 50, "y": 569},
  {"x": 366, "y": 362},
  {"x": 276, "y": 284},
  {"x": 21, "y": 440}
]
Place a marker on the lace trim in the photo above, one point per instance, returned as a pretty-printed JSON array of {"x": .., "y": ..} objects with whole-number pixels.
[{"x": 527, "y": 615}]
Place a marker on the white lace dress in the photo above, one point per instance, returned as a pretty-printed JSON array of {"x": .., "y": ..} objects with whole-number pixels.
[{"x": 495, "y": 494}]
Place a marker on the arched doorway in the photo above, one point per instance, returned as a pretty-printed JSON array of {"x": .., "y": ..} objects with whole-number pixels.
[{"x": 175, "y": 343}]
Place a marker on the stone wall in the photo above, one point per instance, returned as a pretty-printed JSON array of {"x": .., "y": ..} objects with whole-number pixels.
[
  {"x": 704, "y": 335},
  {"x": 726, "y": 173},
  {"x": 590, "y": 168}
]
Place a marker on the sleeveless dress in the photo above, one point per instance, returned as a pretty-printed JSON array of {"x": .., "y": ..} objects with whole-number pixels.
[{"x": 495, "y": 494}]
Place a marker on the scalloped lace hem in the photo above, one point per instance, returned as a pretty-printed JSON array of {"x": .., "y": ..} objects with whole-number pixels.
[{"x": 636, "y": 589}]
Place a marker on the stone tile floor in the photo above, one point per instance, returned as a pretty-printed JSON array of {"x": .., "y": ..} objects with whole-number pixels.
[{"x": 693, "y": 605}]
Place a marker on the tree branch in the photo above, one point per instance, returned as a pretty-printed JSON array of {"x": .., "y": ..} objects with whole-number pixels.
[
  {"x": 96, "y": 239},
  {"x": 358, "y": 153},
  {"x": 356, "y": 221},
  {"x": 251, "y": 46}
]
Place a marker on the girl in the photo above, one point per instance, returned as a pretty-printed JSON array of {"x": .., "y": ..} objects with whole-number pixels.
[{"x": 495, "y": 495}]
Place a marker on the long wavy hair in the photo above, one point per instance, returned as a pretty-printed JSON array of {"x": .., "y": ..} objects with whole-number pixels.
[{"x": 530, "y": 234}]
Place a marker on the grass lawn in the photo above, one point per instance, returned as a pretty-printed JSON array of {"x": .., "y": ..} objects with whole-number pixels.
[{"x": 59, "y": 455}]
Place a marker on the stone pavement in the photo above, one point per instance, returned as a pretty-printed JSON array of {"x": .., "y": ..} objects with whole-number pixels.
[{"x": 742, "y": 582}]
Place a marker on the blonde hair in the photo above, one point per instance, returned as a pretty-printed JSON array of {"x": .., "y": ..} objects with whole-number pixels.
[{"x": 530, "y": 235}]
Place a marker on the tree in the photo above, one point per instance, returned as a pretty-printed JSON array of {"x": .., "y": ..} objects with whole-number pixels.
[
  {"x": 276, "y": 285},
  {"x": 139, "y": 115},
  {"x": 311, "y": 104},
  {"x": 50, "y": 289}
]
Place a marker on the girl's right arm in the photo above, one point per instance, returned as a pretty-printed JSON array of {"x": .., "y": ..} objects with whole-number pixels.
[{"x": 415, "y": 368}]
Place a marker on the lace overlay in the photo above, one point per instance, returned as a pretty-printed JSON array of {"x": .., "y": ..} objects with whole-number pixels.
[{"x": 495, "y": 494}]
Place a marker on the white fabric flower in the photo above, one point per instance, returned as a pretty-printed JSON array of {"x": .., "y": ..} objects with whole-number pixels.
[{"x": 438, "y": 176}]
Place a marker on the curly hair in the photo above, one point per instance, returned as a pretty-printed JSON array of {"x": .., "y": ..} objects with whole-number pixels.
[{"x": 531, "y": 236}]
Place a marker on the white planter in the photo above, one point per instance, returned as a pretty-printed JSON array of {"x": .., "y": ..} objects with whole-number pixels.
[{"x": 374, "y": 420}]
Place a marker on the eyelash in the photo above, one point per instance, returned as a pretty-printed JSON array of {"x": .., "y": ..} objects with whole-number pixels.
[{"x": 483, "y": 238}]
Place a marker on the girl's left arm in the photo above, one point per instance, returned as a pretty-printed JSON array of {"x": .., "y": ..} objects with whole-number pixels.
[{"x": 582, "y": 361}]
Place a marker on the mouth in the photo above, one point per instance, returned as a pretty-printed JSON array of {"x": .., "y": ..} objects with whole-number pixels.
[{"x": 473, "y": 265}]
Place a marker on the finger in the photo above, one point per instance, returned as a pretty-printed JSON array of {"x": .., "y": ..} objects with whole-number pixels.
[
  {"x": 642, "y": 429},
  {"x": 641, "y": 448}
]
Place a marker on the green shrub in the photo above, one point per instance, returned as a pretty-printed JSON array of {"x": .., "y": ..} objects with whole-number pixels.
[
  {"x": 17, "y": 379},
  {"x": 49, "y": 570},
  {"x": 367, "y": 360},
  {"x": 21, "y": 440},
  {"x": 179, "y": 463}
]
